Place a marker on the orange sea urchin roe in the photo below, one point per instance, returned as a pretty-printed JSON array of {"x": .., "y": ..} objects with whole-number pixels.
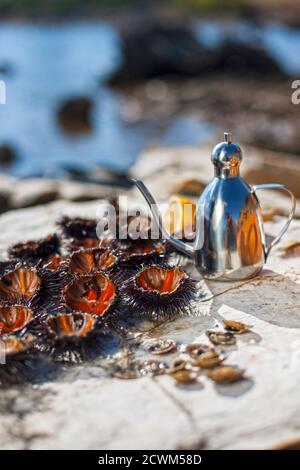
[
  {"x": 160, "y": 279},
  {"x": 91, "y": 294}
]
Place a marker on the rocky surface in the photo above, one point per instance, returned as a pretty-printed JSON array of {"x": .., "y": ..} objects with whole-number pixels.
[
  {"x": 159, "y": 48},
  {"x": 83, "y": 407},
  {"x": 166, "y": 170},
  {"x": 268, "y": 120},
  {"x": 75, "y": 115},
  {"x": 8, "y": 155},
  {"x": 16, "y": 193}
]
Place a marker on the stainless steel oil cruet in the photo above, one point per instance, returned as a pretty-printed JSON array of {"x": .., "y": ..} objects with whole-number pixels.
[{"x": 230, "y": 240}]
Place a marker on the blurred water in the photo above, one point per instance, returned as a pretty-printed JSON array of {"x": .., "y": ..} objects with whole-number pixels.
[{"x": 53, "y": 62}]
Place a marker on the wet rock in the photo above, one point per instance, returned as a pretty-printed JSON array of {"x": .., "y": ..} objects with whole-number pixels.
[
  {"x": 162, "y": 49},
  {"x": 75, "y": 115},
  {"x": 158, "y": 49},
  {"x": 8, "y": 155},
  {"x": 237, "y": 58}
]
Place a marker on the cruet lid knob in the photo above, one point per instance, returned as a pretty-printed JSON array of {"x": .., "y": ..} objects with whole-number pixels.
[{"x": 226, "y": 157}]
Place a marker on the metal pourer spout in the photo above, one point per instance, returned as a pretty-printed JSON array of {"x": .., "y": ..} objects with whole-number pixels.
[{"x": 228, "y": 137}]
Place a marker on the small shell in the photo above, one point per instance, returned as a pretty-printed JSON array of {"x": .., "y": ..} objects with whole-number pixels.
[
  {"x": 195, "y": 350},
  {"x": 126, "y": 374},
  {"x": 71, "y": 325},
  {"x": 19, "y": 283},
  {"x": 235, "y": 327},
  {"x": 90, "y": 293},
  {"x": 184, "y": 376},
  {"x": 14, "y": 318},
  {"x": 208, "y": 360},
  {"x": 221, "y": 337},
  {"x": 91, "y": 260},
  {"x": 151, "y": 367},
  {"x": 162, "y": 346},
  {"x": 13, "y": 344},
  {"x": 179, "y": 364},
  {"x": 226, "y": 374}
]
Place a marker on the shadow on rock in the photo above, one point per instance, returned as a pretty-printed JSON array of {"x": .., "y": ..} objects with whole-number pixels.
[{"x": 236, "y": 389}]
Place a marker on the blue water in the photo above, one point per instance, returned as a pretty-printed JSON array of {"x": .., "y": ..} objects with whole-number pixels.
[{"x": 53, "y": 62}]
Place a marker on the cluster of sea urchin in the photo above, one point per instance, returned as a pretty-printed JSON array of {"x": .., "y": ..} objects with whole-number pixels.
[{"x": 59, "y": 294}]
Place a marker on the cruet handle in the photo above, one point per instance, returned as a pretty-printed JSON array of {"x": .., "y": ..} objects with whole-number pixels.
[{"x": 290, "y": 216}]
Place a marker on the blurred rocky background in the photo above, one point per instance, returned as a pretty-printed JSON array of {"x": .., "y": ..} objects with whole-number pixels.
[{"x": 91, "y": 85}]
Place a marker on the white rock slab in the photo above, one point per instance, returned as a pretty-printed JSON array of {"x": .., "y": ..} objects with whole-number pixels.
[{"x": 85, "y": 409}]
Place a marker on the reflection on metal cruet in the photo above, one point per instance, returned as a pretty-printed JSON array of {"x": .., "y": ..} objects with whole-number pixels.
[{"x": 230, "y": 241}]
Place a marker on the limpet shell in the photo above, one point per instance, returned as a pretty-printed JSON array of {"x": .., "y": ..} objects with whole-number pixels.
[
  {"x": 195, "y": 350},
  {"x": 179, "y": 364},
  {"x": 208, "y": 360},
  {"x": 226, "y": 374},
  {"x": 235, "y": 327},
  {"x": 161, "y": 346},
  {"x": 184, "y": 376},
  {"x": 151, "y": 367},
  {"x": 126, "y": 374},
  {"x": 221, "y": 338}
]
